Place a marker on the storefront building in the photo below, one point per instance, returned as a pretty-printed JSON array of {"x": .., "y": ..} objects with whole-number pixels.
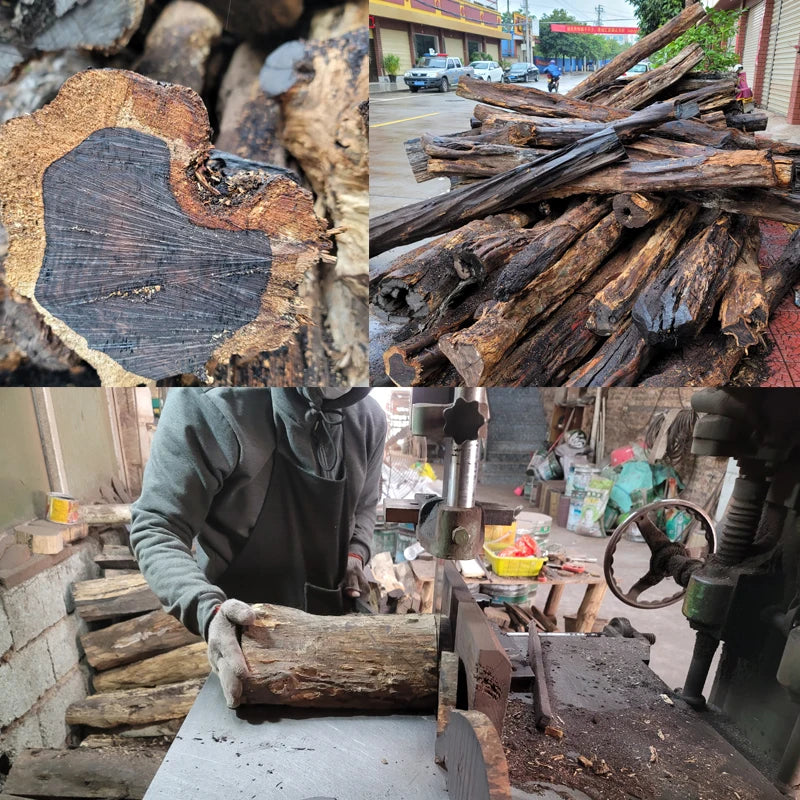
[{"x": 412, "y": 28}]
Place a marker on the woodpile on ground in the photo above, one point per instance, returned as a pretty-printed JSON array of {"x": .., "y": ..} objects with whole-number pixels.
[
  {"x": 214, "y": 174},
  {"x": 404, "y": 588},
  {"x": 606, "y": 237}
]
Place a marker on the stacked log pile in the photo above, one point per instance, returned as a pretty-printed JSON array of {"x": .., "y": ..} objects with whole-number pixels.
[
  {"x": 592, "y": 239},
  {"x": 264, "y": 177}
]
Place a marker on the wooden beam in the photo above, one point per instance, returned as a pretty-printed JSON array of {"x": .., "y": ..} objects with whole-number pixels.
[
  {"x": 105, "y": 598},
  {"x": 175, "y": 666}
]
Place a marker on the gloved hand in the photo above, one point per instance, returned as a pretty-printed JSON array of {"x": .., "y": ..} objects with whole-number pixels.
[
  {"x": 355, "y": 584},
  {"x": 224, "y": 652}
]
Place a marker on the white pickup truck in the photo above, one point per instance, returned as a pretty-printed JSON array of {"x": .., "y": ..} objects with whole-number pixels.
[{"x": 436, "y": 72}]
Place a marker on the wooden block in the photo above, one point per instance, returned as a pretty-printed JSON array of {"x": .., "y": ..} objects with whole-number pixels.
[
  {"x": 107, "y": 514},
  {"x": 113, "y": 772},
  {"x": 116, "y": 557},
  {"x": 570, "y": 624},
  {"x": 448, "y": 696},
  {"x": 104, "y": 598},
  {"x": 183, "y": 664},
  {"x": 41, "y": 537},
  {"x": 135, "y": 639},
  {"x": 141, "y": 706},
  {"x": 158, "y": 733},
  {"x": 383, "y": 570}
]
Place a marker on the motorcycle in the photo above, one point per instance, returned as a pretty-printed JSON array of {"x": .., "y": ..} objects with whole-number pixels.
[{"x": 552, "y": 84}]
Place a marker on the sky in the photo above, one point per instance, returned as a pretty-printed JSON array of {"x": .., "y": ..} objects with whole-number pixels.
[{"x": 617, "y": 12}]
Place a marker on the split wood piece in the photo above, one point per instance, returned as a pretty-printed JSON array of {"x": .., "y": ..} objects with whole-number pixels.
[
  {"x": 256, "y": 20},
  {"x": 641, "y": 50},
  {"x": 653, "y": 251},
  {"x": 448, "y": 696},
  {"x": 547, "y": 624},
  {"x": 106, "y": 514},
  {"x": 423, "y": 570},
  {"x": 774, "y": 204},
  {"x": 119, "y": 772},
  {"x": 221, "y": 262},
  {"x": 419, "y": 283},
  {"x": 697, "y": 132},
  {"x": 179, "y": 44},
  {"x": 635, "y": 210},
  {"x": 522, "y": 265},
  {"x": 487, "y": 667},
  {"x": 355, "y": 661},
  {"x": 31, "y": 26},
  {"x": 250, "y": 122},
  {"x": 744, "y": 311},
  {"x": 116, "y": 557},
  {"x": 455, "y": 594},
  {"x": 528, "y": 100},
  {"x": 383, "y": 570},
  {"x": 476, "y": 350},
  {"x": 747, "y": 122},
  {"x": 158, "y": 733},
  {"x": 105, "y": 598},
  {"x": 677, "y": 302},
  {"x": 645, "y": 87},
  {"x": 556, "y": 347},
  {"x": 141, "y": 706},
  {"x": 135, "y": 639},
  {"x": 619, "y": 362},
  {"x": 46, "y": 538},
  {"x": 475, "y": 201},
  {"x": 473, "y": 755},
  {"x": 322, "y": 87},
  {"x": 541, "y": 696},
  {"x": 176, "y": 666}
]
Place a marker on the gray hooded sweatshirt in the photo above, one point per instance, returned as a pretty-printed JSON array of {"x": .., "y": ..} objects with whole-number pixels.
[{"x": 208, "y": 474}]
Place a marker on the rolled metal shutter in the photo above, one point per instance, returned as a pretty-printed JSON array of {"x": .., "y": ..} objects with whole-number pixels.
[
  {"x": 396, "y": 43},
  {"x": 782, "y": 56},
  {"x": 755, "y": 18},
  {"x": 493, "y": 51},
  {"x": 454, "y": 47}
]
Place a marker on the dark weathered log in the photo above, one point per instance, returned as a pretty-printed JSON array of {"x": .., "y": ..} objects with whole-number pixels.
[
  {"x": 140, "y": 706},
  {"x": 354, "y": 661},
  {"x": 791, "y": 149},
  {"x": 774, "y": 204},
  {"x": 414, "y": 370},
  {"x": 635, "y": 210},
  {"x": 104, "y": 598},
  {"x": 643, "y": 49},
  {"x": 114, "y": 175},
  {"x": 619, "y": 362},
  {"x": 546, "y": 248},
  {"x": 135, "y": 639},
  {"x": 256, "y": 20},
  {"x": 533, "y": 101},
  {"x": 476, "y": 350},
  {"x": 179, "y": 44},
  {"x": 744, "y": 311},
  {"x": 644, "y": 88},
  {"x": 123, "y": 771},
  {"x": 526, "y": 183},
  {"x": 654, "y": 249},
  {"x": 176, "y": 666},
  {"x": 697, "y": 132},
  {"x": 747, "y": 122},
  {"x": 654, "y": 148},
  {"x": 676, "y": 304}
]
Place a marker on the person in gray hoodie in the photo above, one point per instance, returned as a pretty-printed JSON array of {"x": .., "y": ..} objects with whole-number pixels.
[{"x": 277, "y": 489}]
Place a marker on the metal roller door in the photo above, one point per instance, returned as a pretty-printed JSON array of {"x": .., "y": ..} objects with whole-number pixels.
[
  {"x": 755, "y": 18},
  {"x": 782, "y": 55},
  {"x": 454, "y": 47},
  {"x": 396, "y": 43},
  {"x": 493, "y": 51}
]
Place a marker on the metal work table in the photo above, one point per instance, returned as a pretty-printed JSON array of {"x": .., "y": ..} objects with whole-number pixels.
[{"x": 273, "y": 752}]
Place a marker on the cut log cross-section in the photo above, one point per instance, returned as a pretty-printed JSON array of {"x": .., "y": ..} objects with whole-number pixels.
[{"x": 117, "y": 223}]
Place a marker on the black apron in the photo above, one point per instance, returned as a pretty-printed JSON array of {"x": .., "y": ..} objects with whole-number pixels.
[{"x": 296, "y": 554}]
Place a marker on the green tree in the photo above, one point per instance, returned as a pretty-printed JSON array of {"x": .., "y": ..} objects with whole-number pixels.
[
  {"x": 717, "y": 37},
  {"x": 653, "y": 14}
]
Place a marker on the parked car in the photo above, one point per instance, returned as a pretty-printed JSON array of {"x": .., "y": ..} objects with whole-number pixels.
[
  {"x": 488, "y": 71},
  {"x": 522, "y": 72},
  {"x": 636, "y": 70},
  {"x": 436, "y": 72}
]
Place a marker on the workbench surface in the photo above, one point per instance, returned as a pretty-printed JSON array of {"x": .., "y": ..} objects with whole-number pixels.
[{"x": 270, "y": 752}]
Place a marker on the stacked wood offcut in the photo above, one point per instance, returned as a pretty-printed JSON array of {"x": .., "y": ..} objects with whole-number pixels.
[
  {"x": 606, "y": 237},
  {"x": 404, "y": 588}
]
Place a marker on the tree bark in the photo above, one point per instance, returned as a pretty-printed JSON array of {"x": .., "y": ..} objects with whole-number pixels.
[
  {"x": 355, "y": 661},
  {"x": 114, "y": 176},
  {"x": 619, "y": 362},
  {"x": 635, "y": 210},
  {"x": 527, "y": 182},
  {"x": 654, "y": 249},
  {"x": 104, "y": 598},
  {"x": 476, "y": 350},
  {"x": 744, "y": 311},
  {"x": 641, "y": 50},
  {"x": 676, "y": 304},
  {"x": 183, "y": 664}
]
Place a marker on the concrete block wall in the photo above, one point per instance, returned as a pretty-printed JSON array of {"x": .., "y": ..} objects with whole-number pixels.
[{"x": 41, "y": 669}]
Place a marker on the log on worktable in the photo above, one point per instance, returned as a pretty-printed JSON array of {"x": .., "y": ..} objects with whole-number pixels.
[
  {"x": 527, "y": 182},
  {"x": 641, "y": 50},
  {"x": 116, "y": 168},
  {"x": 135, "y": 639},
  {"x": 122, "y": 772},
  {"x": 744, "y": 310},
  {"x": 183, "y": 664},
  {"x": 140, "y": 706},
  {"x": 353, "y": 661},
  {"x": 104, "y": 598},
  {"x": 676, "y": 304}
]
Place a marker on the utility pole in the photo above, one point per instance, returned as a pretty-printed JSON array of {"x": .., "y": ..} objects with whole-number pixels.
[
  {"x": 528, "y": 48},
  {"x": 600, "y": 11}
]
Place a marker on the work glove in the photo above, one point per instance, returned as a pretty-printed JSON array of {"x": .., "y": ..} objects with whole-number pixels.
[
  {"x": 355, "y": 584},
  {"x": 224, "y": 651}
]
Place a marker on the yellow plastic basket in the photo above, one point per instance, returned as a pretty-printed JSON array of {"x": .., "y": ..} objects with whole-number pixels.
[{"x": 513, "y": 567}]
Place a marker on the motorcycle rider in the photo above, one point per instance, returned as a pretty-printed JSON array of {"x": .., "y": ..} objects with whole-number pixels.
[{"x": 555, "y": 74}]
